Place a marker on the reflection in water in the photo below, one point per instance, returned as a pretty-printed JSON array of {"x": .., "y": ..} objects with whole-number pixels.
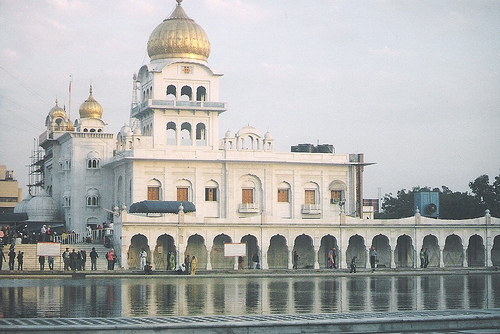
[
  {"x": 139, "y": 297},
  {"x": 278, "y": 296},
  {"x": 329, "y": 295}
]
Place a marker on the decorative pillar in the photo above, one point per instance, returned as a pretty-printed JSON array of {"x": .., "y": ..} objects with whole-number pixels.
[
  {"x": 488, "y": 243},
  {"x": 290, "y": 258},
  {"x": 441, "y": 257},
  {"x": 209, "y": 253},
  {"x": 316, "y": 250},
  {"x": 465, "y": 263}
]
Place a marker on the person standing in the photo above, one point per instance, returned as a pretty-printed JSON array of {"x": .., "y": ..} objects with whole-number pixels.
[
  {"x": 241, "y": 263},
  {"x": 43, "y": 232},
  {"x": 255, "y": 260},
  {"x": 41, "y": 260},
  {"x": 172, "y": 261},
  {"x": 65, "y": 256},
  {"x": 110, "y": 256},
  {"x": 422, "y": 258},
  {"x": 51, "y": 262},
  {"x": 20, "y": 260},
  {"x": 426, "y": 258},
  {"x": 84, "y": 258},
  {"x": 187, "y": 263},
  {"x": 2, "y": 257},
  {"x": 295, "y": 260},
  {"x": 334, "y": 258},
  {"x": 12, "y": 257},
  {"x": 193, "y": 265},
  {"x": 373, "y": 257},
  {"x": 93, "y": 259},
  {"x": 143, "y": 256}
]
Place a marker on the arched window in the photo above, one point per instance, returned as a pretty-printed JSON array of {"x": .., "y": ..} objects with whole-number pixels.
[
  {"x": 92, "y": 197},
  {"x": 311, "y": 193},
  {"x": 93, "y": 160},
  {"x": 187, "y": 91},
  {"x": 201, "y": 138},
  {"x": 171, "y": 92},
  {"x": 154, "y": 190},
  {"x": 183, "y": 190},
  {"x": 284, "y": 192},
  {"x": 186, "y": 134},
  {"x": 211, "y": 191},
  {"x": 337, "y": 192},
  {"x": 171, "y": 133},
  {"x": 201, "y": 94}
]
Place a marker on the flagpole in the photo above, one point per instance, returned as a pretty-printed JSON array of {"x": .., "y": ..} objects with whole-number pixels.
[{"x": 69, "y": 107}]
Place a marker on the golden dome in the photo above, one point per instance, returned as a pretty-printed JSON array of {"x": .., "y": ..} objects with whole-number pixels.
[
  {"x": 57, "y": 111},
  {"x": 90, "y": 108},
  {"x": 178, "y": 36}
]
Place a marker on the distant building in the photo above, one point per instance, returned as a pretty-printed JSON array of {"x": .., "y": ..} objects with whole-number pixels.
[{"x": 10, "y": 193}]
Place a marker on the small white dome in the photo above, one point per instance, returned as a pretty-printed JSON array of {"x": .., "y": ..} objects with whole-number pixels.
[
  {"x": 268, "y": 135},
  {"x": 43, "y": 208},
  {"x": 22, "y": 207},
  {"x": 229, "y": 134},
  {"x": 126, "y": 131}
]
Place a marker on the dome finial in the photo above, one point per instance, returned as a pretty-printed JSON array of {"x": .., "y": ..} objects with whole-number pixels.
[{"x": 179, "y": 2}]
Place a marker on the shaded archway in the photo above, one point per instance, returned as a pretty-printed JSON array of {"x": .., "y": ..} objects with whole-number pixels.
[
  {"x": 196, "y": 247},
  {"x": 328, "y": 242},
  {"x": 137, "y": 243},
  {"x": 252, "y": 248},
  {"x": 475, "y": 251},
  {"x": 495, "y": 251},
  {"x": 356, "y": 248},
  {"x": 404, "y": 252},
  {"x": 453, "y": 251},
  {"x": 277, "y": 254},
  {"x": 381, "y": 243},
  {"x": 164, "y": 247},
  {"x": 217, "y": 258},
  {"x": 430, "y": 243},
  {"x": 305, "y": 250}
]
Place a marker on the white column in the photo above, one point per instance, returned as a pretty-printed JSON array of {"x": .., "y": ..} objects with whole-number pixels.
[{"x": 465, "y": 264}]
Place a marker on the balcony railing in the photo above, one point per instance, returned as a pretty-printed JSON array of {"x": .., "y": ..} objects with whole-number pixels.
[
  {"x": 311, "y": 209},
  {"x": 175, "y": 104},
  {"x": 248, "y": 208}
]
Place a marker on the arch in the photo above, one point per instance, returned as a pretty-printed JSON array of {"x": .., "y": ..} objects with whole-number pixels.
[
  {"x": 304, "y": 247},
  {"x": 161, "y": 256},
  {"x": 201, "y": 94},
  {"x": 92, "y": 197},
  {"x": 184, "y": 190},
  {"x": 138, "y": 242},
  {"x": 93, "y": 160},
  {"x": 453, "y": 251},
  {"x": 356, "y": 248},
  {"x": 201, "y": 134},
  {"x": 495, "y": 251},
  {"x": 217, "y": 258},
  {"x": 187, "y": 91},
  {"x": 311, "y": 193},
  {"x": 337, "y": 192},
  {"x": 171, "y": 92},
  {"x": 404, "y": 252},
  {"x": 475, "y": 251},
  {"x": 196, "y": 247},
  {"x": 381, "y": 243},
  {"x": 171, "y": 133},
  {"x": 328, "y": 242},
  {"x": 252, "y": 248},
  {"x": 277, "y": 254},
  {"x": 154, "y": 191},
  {"x": 186, "y": 134},
  {"x": 430, "y": 243}
]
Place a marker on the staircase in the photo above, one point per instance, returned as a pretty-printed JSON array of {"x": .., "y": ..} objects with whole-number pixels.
[{"x": 30, "y": 259}]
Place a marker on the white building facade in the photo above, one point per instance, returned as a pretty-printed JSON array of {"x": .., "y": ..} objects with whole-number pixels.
[{"x": 277, "y": 203}]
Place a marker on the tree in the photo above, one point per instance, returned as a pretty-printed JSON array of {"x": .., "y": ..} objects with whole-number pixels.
[{"x": 452, "y": 205}]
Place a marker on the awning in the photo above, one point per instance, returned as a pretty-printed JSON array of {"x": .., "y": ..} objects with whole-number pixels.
[{"x": 161, "y": 207}]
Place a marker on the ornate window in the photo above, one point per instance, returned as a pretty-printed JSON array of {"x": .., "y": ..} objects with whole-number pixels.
[
  {"x": 93, "y": 160},
  {"x": 211, "y": 191},
  {"x": 283, "y": 192},
  {"x": 154, "y": 190},
  {"x": 92, "y": 197},
  {"x": 337, "y": 192}
]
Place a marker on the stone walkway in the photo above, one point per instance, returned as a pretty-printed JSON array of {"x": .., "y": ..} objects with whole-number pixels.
[{"x": 449, "y": 321}]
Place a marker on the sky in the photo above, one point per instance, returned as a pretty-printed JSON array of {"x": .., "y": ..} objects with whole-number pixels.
[{"x": 414, "y": 85}]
